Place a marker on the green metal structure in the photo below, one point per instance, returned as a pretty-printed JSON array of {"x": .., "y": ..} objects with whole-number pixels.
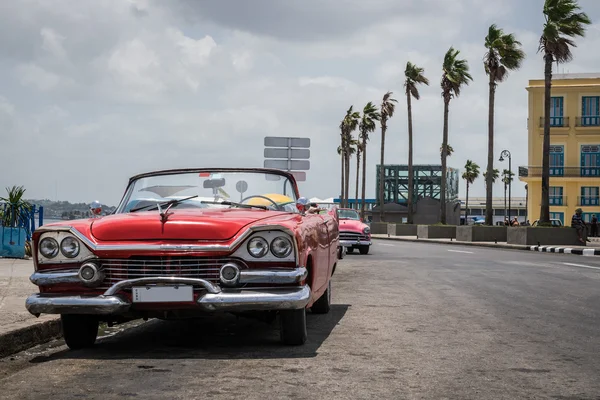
[{"x": 427, "y": 183}]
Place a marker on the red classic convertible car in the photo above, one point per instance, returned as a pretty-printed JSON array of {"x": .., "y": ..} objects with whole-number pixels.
[
  {"x": 354, "y": 234},
  {"x": 179, "y": 245}
]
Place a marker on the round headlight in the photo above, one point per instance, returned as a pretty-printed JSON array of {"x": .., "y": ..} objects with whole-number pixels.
[
  {"x": 258, "y": 247},
  {"x": 69, "y": 247},
  {"x": 281, "y": 247},
  {"x": 367, "y": 230},
  {"x": 49, "y": 247}
]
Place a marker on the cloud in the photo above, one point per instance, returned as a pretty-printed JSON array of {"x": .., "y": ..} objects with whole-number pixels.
[{"x": 98, "y": 91}]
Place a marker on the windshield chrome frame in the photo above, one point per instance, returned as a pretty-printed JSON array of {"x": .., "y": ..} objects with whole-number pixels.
[{"x": 135, "y": 178}]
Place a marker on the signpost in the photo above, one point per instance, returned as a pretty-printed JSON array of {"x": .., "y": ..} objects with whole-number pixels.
[{"x": 288, "y": 154}]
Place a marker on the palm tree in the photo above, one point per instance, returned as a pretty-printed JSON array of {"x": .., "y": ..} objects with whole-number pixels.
[
  {"x": 495, "y": 176},
  {"x": 455, "y": 75},
  {"x": 357, "y": 148},
  {"x": 14, "y": 207},
  {"x": 507, "y": 178},
  {"x": 413, "y": 77},
  {"x": 366, "y": 125},
  {"x": 503, "y": 55},
  {"x": 449, "y": 150},
  {"x": 471, "y": 173},
  {"x": 564, "y": 22},
  {"x": 387, "y": 111},
  {"x": 347, "y": 126}
]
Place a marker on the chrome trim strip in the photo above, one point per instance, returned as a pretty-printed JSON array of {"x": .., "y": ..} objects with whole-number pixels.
[
  {"x": 43, "y": 304},
  {"x": 172, "y": 247},
  {"x": 246, "y": 300},
  {"x": 272, "y": 276},
  {"x": 52, "y": 278},
  {"x": 350, "y": 243},
  {"x": 172, "y": 280},
  {"x": 231, "y": 300}
]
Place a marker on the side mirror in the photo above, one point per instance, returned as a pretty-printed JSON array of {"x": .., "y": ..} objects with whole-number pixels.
[{"x": 95, "y": 208}]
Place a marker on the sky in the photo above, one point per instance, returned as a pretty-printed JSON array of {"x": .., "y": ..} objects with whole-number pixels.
[{"x": 94, "y": 92}]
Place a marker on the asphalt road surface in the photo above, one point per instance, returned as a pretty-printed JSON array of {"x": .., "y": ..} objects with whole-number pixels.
[{"x": 415, "y": 321}]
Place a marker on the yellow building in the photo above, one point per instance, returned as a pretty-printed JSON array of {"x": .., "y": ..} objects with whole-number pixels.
[{"x": 574, "y": 146}]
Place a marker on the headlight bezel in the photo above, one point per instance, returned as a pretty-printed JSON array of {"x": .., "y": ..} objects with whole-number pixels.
[
  {"x": 258, "y": 238},
  {"x": 84, "y": 253},
  {"x": 366, "y": 230},
  {"x": 49, "y": 240},
  {"x": 268, "y": 234}
]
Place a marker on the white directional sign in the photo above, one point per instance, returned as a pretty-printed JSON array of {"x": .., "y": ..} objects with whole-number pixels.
[
  {"x": 288, "y": 165},
  {"x": 293, "y": 154},
  {"x": 273, "y": 141}
]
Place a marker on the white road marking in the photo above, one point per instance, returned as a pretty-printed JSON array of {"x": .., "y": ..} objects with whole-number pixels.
[
  {"x": 460, "y": 251},
  {"x": 385, "y": 244},
  {"x": 581, "y": 266}
]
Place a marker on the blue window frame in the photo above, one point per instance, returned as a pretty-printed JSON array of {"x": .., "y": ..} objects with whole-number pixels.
[
  {"x": 558, "y": 215},
  {"x": 590, "y": 111},
  {"x": 557, "y": 160},
  {"x": 556, "y": 111},
  {"x": 590, "y": 196},
  {"x": 556, "y": 195},
  {"x": 587, "y": 217},
  {"x": 590, "y": 160}
]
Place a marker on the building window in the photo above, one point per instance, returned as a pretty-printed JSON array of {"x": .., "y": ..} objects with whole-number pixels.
[
  {"x": 558, "y": 215},
  {"x": 587, "y": 217},
  {"x": 590, "y": 196},
  {"x": 557, "y": 160},
  {"x": 556, "y": 111},
  {"x": 590, "y": 160},
  {"x": 590, "y": 111},
  {"x": 556, "y": 195}
]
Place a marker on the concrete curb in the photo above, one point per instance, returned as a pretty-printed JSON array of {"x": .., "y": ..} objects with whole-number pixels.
[
  {"x": 547, "y": 249},
  {"x": 24, "y": 338}
]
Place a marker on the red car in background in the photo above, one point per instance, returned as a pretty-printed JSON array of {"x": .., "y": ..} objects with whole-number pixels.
[
  {"x": 354, "y": 233},
  {"x": 187, "y": 242}
]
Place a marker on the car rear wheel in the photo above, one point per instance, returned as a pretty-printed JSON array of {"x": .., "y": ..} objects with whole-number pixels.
[
  {"x": 350, "y": 250},
  {"x": 323, "y": 305},
  {"x": 364, "y": 249},
  {"x": 293, "y": 326},
  {"x": 79, "y": 331}
]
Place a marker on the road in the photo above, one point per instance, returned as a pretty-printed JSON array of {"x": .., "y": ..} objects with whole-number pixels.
[{"x": 415, "y": 321}]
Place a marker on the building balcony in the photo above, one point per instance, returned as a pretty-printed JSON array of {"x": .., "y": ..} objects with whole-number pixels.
[
  {"x": 588, "y": 201},
  {"x": 566, "y": 172},
  {"x": 556, "y": 122},
  {"x": 558, "y": 201},
  {"x": 591, "y": 121}
]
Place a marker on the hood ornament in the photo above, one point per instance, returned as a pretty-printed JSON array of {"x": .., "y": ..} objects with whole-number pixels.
[{"x": 164, "y": 215}]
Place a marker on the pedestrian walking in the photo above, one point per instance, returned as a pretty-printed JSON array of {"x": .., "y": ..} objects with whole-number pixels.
[{"x": 594, "y": 226}]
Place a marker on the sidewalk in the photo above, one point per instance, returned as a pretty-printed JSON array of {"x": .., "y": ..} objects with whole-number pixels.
[
  {"x": 19, "y": 329},
  {"x": 593, "y": 248}
]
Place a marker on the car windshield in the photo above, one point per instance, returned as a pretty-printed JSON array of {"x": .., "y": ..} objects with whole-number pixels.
[
  {"x": 348, "y": 214},
  {"x": 203, "y": 189}
]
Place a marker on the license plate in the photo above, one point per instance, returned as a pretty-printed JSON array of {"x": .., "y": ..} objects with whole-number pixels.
[{"x": 163, "y": 294}]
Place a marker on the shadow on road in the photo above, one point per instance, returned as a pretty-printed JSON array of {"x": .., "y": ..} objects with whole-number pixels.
[{"x": 212, "y": 337}]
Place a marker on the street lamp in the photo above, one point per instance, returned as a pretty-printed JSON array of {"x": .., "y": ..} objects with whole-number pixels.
[{"x": 506, "y": 153}]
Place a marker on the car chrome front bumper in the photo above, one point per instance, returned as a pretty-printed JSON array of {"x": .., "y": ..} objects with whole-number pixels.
[
  {"x": 215, "y": 298},
  {"x": 350, "y": 243}
]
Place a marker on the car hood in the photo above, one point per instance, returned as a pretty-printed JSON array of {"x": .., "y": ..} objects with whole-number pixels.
[
  {"x": 352, "y": 225},
  {"x": 215, "y": 224}
]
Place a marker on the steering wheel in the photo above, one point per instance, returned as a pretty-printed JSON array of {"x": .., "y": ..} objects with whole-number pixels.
[{"x": 262, "y": 197}]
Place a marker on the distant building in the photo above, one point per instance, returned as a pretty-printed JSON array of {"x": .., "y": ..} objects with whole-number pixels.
[
  {"x": 518, "y": 208},
  {"x": 574, "y": 146}
]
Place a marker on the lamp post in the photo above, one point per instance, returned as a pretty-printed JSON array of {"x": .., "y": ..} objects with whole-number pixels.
[{"x": 506, "y": 153}]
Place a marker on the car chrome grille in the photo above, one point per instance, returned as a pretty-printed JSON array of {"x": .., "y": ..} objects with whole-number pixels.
[
  {"x": 354, "y": 236},
  {"x": 117, "y": 270}
]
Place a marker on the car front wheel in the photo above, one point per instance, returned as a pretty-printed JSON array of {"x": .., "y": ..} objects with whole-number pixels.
[
  {"x": 79, "y": 331},
  {"x": 323, "y": 305},
  {"x": 293, "y": 326},
  {"x": 364, "y": 249}
]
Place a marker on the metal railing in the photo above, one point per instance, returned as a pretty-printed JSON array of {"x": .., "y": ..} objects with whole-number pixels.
[
  {"x": 558, "y": 200},
  {"x": 588, "y": 201},
  {"x": 556, "y": 122},
  {"x": 593, "y": 120},
  {"x": 24, "y": 219},
  {"x": 577, "y": 172}
]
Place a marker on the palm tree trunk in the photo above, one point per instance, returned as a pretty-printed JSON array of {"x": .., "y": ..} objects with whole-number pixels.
[
  {"x": 410, "y": 161},
  {"x": 444, "y": 156},
  {"x": 545, "y": 208},
  {"x": 467, "y": 204},
  {"x": 357, "y": 176},
  {"x": 364, "y": 178},
  {"x": 347, "y": 189},
  {"x": 342, "y": 187},
  {"x": 489, "y": 212},
  {"x": 381, "y": 180}
]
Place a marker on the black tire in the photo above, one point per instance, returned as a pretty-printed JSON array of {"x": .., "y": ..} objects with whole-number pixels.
[
  {"x": 323, "y": 305},
  {"x": 79, "y": 331},
  {"x": 293, "y": 326},
  {"x": 350, "y": 250},
  {"x": 364, "y": 250}
]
